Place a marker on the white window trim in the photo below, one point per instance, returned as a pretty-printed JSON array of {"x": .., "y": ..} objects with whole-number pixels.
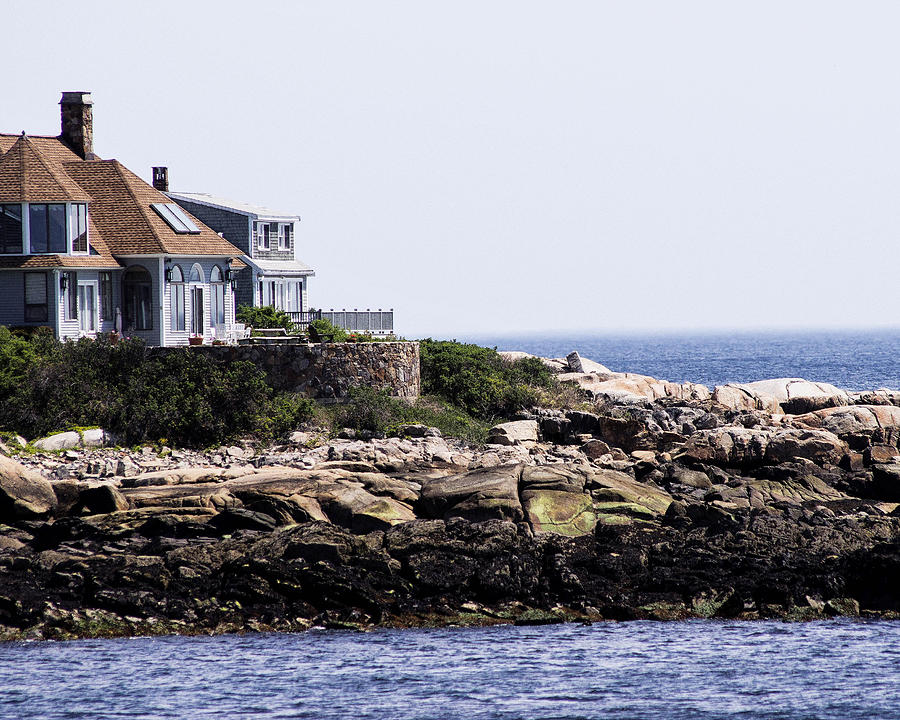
[
  {"x": 87, "y": 229},
  {"x": 95, "y": 284},
  {"x": 26, "y": 230},
  {"x": 261, "y": 242},
  {"x": 70, "y": 314}
]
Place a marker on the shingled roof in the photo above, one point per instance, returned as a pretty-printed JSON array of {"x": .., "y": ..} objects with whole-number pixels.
[
  {"x": 122, "y": 223},
  {"x": 25, "y": 176}
]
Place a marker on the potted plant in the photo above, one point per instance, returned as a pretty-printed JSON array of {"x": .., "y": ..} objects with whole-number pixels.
[{"x": 195, "y": 340}]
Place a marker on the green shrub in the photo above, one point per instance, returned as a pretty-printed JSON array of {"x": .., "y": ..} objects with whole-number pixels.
[
  {"x": 264, "y": 317},
  {"x": 478, "y": 380},
  {"x": 451, "y": 421},
  {"x": 16, "y": 356},
  {"x": 326, "y": 327},
  {"x": 138, "y": 394},
  {"x": 287, "y": 412},
  {"x": 375, "y": 412},
  {"x": 370, "y": 410}
]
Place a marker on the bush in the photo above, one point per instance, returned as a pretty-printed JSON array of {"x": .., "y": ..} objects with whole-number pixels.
[
  {"x": 326, "y": 327},
  {"x": 137, "y": 394},
  {"x": 376, "y": 412},
  {"x": 478, "y": 380},
  {"x": 370, "y": 410},
  {"x": 16, "y": 356},
  {"x": 287, "y": 412},
  {"x": 264, "y": 317}
]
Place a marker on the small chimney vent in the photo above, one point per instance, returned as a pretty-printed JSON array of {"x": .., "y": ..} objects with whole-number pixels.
[
  {"x": 161, "y": 179},
  {"x": 78, "y": 123}
]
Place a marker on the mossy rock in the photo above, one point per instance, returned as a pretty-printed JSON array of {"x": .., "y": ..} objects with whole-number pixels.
[
  {"x": 664, "y": 611},
  {"x": 559, "y": 512},
  {"x": 625, "y": 508}
]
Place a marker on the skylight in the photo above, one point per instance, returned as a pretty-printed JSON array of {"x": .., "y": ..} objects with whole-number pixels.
[{"x": 176, "y": 218}]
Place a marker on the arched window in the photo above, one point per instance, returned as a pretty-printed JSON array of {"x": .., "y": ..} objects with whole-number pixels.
[
  {"x": 176, "y": 291},
  {"x": 196, "y": 273},
  {"x": 137, "y": 292},
  {"x": 217, "y": 301}
]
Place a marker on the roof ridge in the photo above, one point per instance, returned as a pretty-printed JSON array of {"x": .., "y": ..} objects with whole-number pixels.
[
  {"x": 119, "y": 167},
  {"x": 32, "y": 135}
]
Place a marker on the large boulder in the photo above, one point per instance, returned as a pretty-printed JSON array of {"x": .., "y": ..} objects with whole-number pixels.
[
  {"x": 628, "y": 388},
  {"x": 820, "y": 446},
  {"x": 741, "y": 397},
  {"x": 560, "y": 365},
  {"x": 740, "y": 446},
  {"x": 732, "y": 445},
  {"x": 517, "y": 432},
  {"x": 24, "y": 494},
  {"x": 789, "y": 395},
  {"x": 483, "y": 494},
  {"x": 71, "y": 439},
  {"x": 874, "y": 423}
]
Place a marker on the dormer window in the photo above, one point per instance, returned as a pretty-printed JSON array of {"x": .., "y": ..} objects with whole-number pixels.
[
  {"x": 38, "y": 228},
  {"x": 47, "y": 227}
]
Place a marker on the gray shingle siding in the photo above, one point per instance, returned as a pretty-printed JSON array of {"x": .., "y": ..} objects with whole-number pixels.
[
  {"x": 232, "y": 225},
  {"x": 244, "y": 290}
]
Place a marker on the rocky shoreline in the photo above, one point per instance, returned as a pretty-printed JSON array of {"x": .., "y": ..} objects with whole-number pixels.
[{"x": 657, "y": 500}]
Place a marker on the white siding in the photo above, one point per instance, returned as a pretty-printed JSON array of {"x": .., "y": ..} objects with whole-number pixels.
[{"x": 179, "y": 337}]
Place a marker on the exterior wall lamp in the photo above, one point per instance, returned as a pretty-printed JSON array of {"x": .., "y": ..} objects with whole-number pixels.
[{"x": 63, "y": 281}]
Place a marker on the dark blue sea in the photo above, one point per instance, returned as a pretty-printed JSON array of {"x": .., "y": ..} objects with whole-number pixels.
[
  {"x": 841, "y": 670},
  {"x": 850, "y": 359}
]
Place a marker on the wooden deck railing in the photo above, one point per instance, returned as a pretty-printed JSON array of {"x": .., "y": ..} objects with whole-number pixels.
[{"x": 376, "y": 322}]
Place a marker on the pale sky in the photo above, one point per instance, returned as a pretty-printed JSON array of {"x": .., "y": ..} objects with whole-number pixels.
[{"x": 510, "y": 167}]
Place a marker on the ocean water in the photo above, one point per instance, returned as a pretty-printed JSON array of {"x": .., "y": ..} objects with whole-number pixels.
[
  {"x": 853, "y": 360},
  {"x": 697, "y": 669}
]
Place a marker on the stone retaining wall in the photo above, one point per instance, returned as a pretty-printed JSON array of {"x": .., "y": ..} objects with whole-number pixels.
[{"x": 327, "y": 371}]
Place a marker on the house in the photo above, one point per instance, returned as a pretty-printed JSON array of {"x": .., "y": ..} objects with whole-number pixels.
[
  {"x": 274, "y": 275},
  {"x": 86, "y": 246}
]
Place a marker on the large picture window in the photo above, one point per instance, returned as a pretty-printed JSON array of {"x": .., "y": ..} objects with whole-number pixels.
[
  {"x": 11, "y": 229},
  {"x": 136, "y": 287},
  {"x": 35, "y": 297},
  {"x": 47, "y": 227}
]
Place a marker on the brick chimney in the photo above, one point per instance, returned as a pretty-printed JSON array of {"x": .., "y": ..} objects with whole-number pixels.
[
  {"x": 78, "y": 123},
  {"x": 161, "y": 179}
]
